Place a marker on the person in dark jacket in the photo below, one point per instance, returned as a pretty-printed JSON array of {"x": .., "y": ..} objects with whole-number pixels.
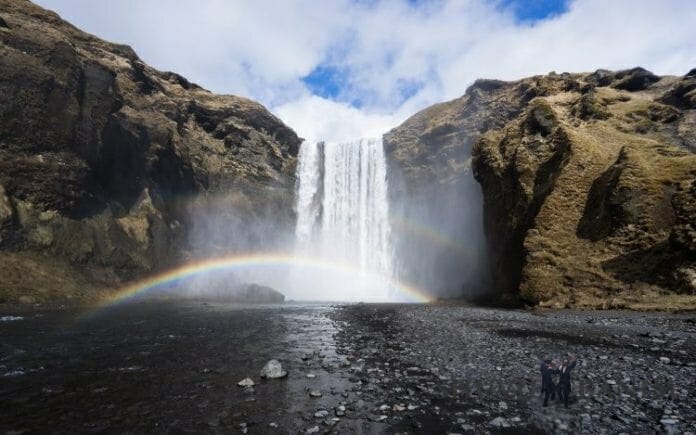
[
  {"x": 547, "y": 386},
  {"x": 564, "y": 380}
]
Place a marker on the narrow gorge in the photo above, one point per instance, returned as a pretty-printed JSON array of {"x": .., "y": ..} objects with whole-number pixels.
[{"x": 518, "y": 259}]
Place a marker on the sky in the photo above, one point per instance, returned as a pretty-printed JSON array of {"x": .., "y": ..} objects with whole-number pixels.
[{"x": 339, "y": 70}]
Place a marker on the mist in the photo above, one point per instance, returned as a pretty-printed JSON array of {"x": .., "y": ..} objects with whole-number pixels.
[
  {"x": 350, "y": 229},
  {"x": 247, "y": 229},
  {"x": 438, "y": 236}
]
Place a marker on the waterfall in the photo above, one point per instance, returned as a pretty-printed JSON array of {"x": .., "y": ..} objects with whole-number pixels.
[{"x": 343, "y": 217}]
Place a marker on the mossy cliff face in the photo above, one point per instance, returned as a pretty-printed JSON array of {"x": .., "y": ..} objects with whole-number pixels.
[
  {"x": 588, "y": 184},
  {"x": 107, "y": 165}
]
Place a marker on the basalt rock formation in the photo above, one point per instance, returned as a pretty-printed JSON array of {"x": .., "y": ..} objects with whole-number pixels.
[
  {"x": 103, "y": 161},
  {"x": 588, "y": 182}
]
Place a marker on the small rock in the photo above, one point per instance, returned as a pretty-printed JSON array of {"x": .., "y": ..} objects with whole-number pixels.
[
  {"x": 322, "y": 413},
  {"x": 315, "y": 393},
  {"x": 314, "y": 429},
  {"x": 273, "y": 370},
  {"x": 331, "y": 421},
  {"x": 246, "y": 382},
  {"x": 311, "y": 375},
  {"x": 499, "y": 422},
  {"x": 10, "y": 318},
  {"x": 665, "y": 360}
]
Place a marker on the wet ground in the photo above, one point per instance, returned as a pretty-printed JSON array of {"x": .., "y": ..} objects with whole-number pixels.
[{"x": 173, "y": 367}]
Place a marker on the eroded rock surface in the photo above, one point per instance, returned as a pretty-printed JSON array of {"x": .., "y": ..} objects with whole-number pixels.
[
  {"x": 105, "y": 161},
  {"x": 587, "y": 181}
]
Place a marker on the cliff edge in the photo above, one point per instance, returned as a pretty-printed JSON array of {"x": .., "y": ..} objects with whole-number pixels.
[
  {"x": 588, "y": 183},
  {"x": 107, "y": 165}
]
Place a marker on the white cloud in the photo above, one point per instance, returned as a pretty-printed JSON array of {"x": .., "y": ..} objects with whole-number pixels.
[
  {"x": 262, "y": 48},
  {"x": 316, "y": 118}
]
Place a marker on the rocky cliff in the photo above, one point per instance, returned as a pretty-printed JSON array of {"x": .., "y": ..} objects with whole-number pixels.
[
  {"x": 588, "y": 183},
  {"x": 108, "y": 167},
  {"x": 438, "y": 204}
]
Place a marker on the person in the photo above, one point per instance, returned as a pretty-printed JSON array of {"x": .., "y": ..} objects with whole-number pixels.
[
  {"x": 554, "y": 383},
  {"x": 564, "y": 379},
  {"x": 547, "y": 386}
]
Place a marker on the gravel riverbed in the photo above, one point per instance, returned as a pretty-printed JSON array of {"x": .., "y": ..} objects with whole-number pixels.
[{"x": 463, "y": 369}]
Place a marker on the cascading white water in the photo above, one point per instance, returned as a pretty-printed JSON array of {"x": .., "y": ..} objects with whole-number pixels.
[{"x": 343, "y": 218}]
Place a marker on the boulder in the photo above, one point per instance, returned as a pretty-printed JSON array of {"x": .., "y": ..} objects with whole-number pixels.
[
  {"x": 258, "y": 294},
  {"x": 273, "y": 370}
]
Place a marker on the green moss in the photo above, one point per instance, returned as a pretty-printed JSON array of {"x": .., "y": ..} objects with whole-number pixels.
[
  {"x": 541, "y": 118},
  {"x": 589, "y": 107}
]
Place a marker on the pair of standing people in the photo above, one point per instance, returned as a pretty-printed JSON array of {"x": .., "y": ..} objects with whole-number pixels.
[{"x": 549, "y": 388}]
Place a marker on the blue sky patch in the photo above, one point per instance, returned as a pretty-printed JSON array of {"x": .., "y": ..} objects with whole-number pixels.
[
  {"x": 408, "y": 88},
  {"x": 530, "y": 11},
  {"x": 325, "y": 81},
  {"x": 331, "y": 82}
]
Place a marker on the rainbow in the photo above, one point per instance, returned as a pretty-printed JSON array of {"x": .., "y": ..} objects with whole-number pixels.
[
  {"x": 175, "y": 276},
  {"x": 427, "y": 233}
]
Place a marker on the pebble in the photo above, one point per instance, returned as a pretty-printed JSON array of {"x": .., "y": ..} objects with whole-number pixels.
[
  {"x": 322, "y": 413},
  {"x": 499, "y": 422},
  {"x": 246, "y": 382}
]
